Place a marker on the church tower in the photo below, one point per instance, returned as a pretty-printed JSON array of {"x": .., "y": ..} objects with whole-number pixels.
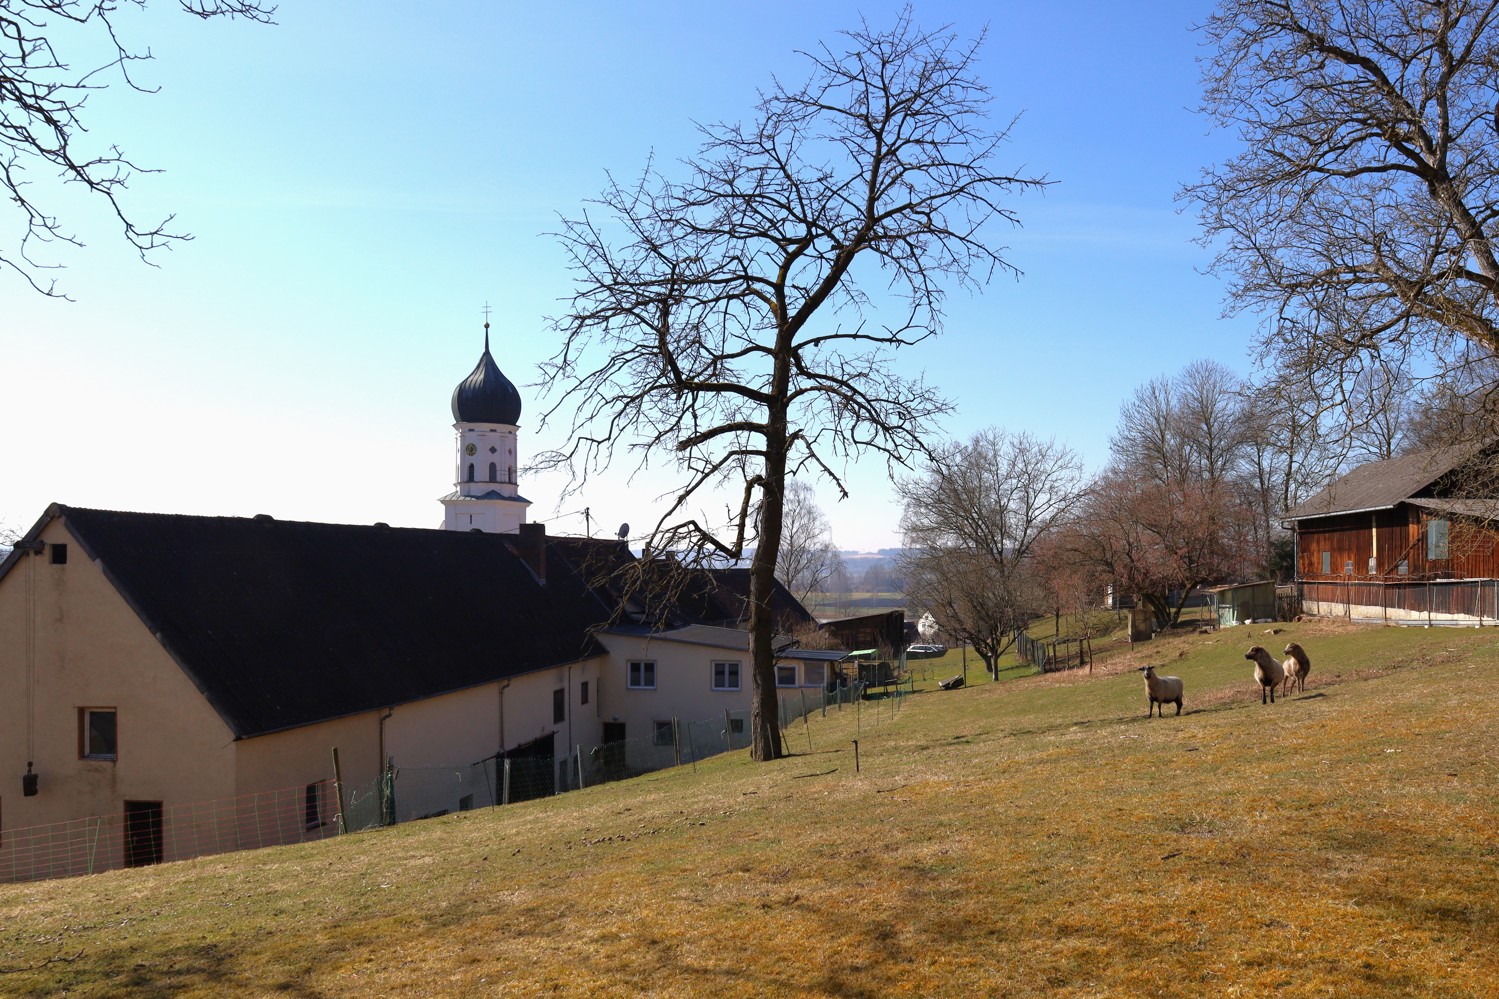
[{"x": 486, "y": 411}]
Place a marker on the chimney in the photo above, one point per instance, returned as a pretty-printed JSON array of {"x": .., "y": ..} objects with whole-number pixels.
[{"x": 533, "y": 548}]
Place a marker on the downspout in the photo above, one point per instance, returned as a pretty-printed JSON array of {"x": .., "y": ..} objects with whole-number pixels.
[
  {"x": 388, "y": 712},
  {"x": 502, "y": 716}
]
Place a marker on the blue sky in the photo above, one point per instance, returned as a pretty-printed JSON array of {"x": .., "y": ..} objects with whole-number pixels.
[{"x": 359, "y": 188}]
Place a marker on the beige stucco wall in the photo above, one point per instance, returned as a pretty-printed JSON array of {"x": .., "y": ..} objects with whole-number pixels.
[
  {"x": 471, "y": 725},
  {"x": 684, "y": 683},
  {"x": 75, "y": 644}
]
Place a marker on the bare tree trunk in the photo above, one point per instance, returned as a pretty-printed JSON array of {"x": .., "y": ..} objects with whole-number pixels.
[{"x": 765, "y": 718}]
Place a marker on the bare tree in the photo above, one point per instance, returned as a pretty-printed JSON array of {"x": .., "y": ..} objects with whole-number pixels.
[
  {"x": 1156, "y": 540},
  {"x": 721, "y": 319},
  {"x": 43, "y": 100},
  {"x": 1380, "y": 412},
  {"x": 807, "y": 557},
  {"x": 1183, "y": 428},
  {"x": 1357, "y": 217},
  {"x": 971, "y": 520}
]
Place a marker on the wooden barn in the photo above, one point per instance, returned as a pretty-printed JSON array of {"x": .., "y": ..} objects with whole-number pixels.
[{"x": 1411, "y": 540}]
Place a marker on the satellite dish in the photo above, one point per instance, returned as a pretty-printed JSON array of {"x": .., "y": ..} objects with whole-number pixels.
[{"x": 624, "y": 531}]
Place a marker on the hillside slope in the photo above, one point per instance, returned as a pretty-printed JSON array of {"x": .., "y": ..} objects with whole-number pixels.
[{"x": 1029, "y": 838}]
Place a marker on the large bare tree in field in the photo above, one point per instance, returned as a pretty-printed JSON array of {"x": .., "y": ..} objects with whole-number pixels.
[
  {"x": 45, "y": 143},
  {"x": 1359, "y": 215},
  {"x": 972, "y": 519},
  {"x": 722, "y": 318}
]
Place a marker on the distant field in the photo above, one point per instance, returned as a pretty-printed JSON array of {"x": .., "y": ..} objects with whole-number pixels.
[{"x": 1036, "y": 837}]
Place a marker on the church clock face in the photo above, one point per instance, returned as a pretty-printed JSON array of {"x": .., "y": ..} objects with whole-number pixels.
[{"x": 470, "y": 449}]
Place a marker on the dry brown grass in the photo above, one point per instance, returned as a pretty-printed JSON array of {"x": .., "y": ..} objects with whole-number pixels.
[{"x": 1028, "y": 838}]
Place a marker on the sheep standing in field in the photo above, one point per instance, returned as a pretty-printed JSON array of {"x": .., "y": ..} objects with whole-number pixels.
[
  {"x": 1297, "y": 667},
  {"x": 1268, "y": 673},
  {"x": 1162, "y": 690}
]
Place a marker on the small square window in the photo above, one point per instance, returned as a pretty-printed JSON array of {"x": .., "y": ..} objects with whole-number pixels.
[
  {"x": 97, "y": 734},
  {"x": 813, "y": 674},
  {"x": 736, "y": 726},
  {"x": 664, "y": 733},
  {"x": 1403, "y": 568},
  {"x": 59, "y": 554},
  {"x": 725, "y": 676},
  {"x": 786, "y": 676},
  {"x": 642, "y": 674},
  {"x": 559, "y": 705},
  {"x": 583, "y": 692},
  {"x": 1348, "y": 568}
]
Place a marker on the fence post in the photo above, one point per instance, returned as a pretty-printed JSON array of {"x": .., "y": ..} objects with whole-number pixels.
[
  {"x": 505, "y": 787},
  {"x": 338, "y": 792},
  {"x": 728, "y": 731},
  {"x": 676, "y": 741},
  {"x": 580, "y": 768}
]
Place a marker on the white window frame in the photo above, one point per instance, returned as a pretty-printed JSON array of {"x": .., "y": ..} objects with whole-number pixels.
[
  {"x": 794, "y": 674},
  {"x": 636, "y": 671},
  {"x": 729, "y": 665},
  {"x": 86, "y": 749}
]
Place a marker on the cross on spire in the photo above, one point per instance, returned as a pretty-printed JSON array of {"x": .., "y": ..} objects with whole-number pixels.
[{"x": 486, "y": 327}]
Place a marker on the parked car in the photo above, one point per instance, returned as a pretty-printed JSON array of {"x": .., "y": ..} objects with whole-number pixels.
[{"x": 925, "y": 651}]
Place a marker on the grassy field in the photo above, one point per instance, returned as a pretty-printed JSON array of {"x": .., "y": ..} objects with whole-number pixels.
[{"x": 1033, "y": 837}]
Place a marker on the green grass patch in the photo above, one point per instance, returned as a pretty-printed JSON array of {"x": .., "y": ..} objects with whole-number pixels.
[{"x": 1032, "y": 837}]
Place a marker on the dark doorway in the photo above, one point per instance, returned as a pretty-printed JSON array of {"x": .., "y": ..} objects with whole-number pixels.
[
  {"x": 142, "y": 833},
  {"x": 611, "y": 755},
  {"x": 532, "y": 773}
]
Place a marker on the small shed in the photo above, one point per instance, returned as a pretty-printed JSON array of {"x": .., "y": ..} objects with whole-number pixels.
[{"x": 1243, "y": 602}]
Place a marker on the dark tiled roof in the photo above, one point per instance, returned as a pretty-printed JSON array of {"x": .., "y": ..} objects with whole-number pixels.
[
  {"x": 285, "y": 623},
  {"x": 1380, "y": 485}
]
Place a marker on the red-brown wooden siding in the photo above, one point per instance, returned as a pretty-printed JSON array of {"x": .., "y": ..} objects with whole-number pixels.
[{"x": 1400, "y": 535}]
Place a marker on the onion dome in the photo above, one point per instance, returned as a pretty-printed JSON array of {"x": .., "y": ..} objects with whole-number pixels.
[{"x": 486, "y": 395}]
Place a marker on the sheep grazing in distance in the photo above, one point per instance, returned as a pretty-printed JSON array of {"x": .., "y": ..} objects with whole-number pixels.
[
  {"x": 1297, "y": 667},
  {"x": 1163, "y": 690},
  {"x": 1268, "y": 673}
]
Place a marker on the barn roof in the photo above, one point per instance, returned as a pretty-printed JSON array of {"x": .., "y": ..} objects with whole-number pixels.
[
  {"x": 1380, "y": 485},
  {"x": 286, "y": 623}
]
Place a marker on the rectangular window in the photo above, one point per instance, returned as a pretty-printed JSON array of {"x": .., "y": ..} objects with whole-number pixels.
[
  {"x": 1327, "y": 563},
  {"x": 665, "y": 731},
  {"x": 1436, "y": 539},
  {"x": 786, "y": 676},
  {"x": 813, "y": 674},
  {"x": 97, "y": 734},
  {"x": 725, "y": 676},
  {"x": 583, "y": 692},
  {"x": 1403, "y": 568},
  {"x": 59, "y": 554},
  {"x": 1373, "y": 566},
  {"x": 1348, "y": 568},
  {"x": 736, "y": 726},
  {"x": 642, "y": 674},
  {"x": 312, "y": 806},
  {"x": 559, "y": 705}
]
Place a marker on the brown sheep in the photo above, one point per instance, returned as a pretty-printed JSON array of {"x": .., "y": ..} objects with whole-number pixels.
[
  {"x": 1268, "y": 673},
  {"x": 1297, "y": 667}
]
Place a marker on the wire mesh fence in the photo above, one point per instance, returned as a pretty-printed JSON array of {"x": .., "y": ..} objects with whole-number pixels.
[{"x": 146, "y": 833}]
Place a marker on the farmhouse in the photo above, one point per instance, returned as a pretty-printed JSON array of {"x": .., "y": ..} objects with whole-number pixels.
[
  {"x": 1410, "y": 540},
  {"x": 150, "y": 661}
]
